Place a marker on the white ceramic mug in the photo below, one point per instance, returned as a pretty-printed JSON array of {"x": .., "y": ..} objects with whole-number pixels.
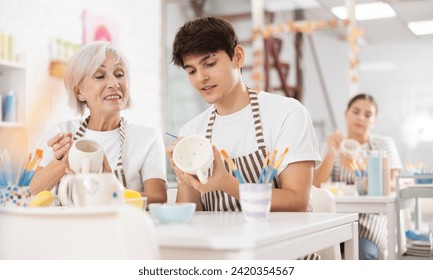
[
  {"x": 85, "y": 156},
  {"x": 351, "y": 147},
  {"x": 84, "y": 190},
  {"x": 194, "y": 155}
]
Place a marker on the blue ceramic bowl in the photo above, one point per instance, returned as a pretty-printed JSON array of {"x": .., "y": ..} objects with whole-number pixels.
[{"x": 172, "y": 213}]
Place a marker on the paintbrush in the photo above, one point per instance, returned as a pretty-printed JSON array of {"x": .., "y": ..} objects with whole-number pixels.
[
  {"x": 269, "y": 167},
  {"x": 33, "y": 165},
  {"x": 277, "y": 165},
  {"x": 172, "y": 135},
  {"x": 263, "y": 171},
  {"x": 233, "y": 167}
]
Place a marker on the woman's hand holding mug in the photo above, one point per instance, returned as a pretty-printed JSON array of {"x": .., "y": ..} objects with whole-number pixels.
[
  {"x": 334, "y": 142},
  {"x": 349, "y": 150},
  {"x": 60, "y": 144}
]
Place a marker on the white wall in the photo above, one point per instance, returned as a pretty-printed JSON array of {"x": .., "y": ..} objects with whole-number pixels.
[
  {"x": 403, "y": 93},
  {"x": 35, "y": 22},
  {"x": 403, "y": 88}
]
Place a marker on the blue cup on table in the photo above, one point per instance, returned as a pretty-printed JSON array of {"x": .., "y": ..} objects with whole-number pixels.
[{"x": 361, "y": 185}]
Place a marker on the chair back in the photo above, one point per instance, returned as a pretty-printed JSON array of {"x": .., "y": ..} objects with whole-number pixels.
[
  {"x": 324, "y": 201},
  {"x": 111, "y": 232}
]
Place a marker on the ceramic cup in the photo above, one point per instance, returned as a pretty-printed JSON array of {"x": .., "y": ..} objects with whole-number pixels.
[
  {"x": 351, "y": 147},
  {"x": 255, "y": 201},
  {"x": 82, "y": 190},
  {"x": 194, "y": 155},
  {"x": 85, "y": 156}
]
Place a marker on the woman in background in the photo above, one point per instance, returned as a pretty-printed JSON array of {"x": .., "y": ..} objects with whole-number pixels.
[
  {"x": 97, "y": 77},
  {"x": 360, "y": 117}
]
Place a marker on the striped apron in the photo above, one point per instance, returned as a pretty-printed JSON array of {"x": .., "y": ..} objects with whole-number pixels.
[
  {"x": 119, "y": 172},
  {"x": 249, "y": 166},
  {"x": 372, "y": 226}
]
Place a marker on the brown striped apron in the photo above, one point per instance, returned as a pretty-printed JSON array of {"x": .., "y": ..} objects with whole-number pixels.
[
  {"x": 119, "y": 172},
  {"x": 249, "y": 165}
]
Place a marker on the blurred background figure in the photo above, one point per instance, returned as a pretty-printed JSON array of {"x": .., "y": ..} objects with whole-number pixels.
[{"x": 337, "y": 166}]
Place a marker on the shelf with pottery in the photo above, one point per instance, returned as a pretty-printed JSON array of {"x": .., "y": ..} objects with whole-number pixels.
[
  {"x": 13, "y": 78},
  {"x": 13, "y": 131},
  {"x": 14, "y": 65},
  {"x": 416, "y": 186},
  {"x": 12, "y": 125}
]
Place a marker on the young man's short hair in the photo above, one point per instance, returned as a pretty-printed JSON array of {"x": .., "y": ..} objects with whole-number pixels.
[{"x": 204, "y": 35}]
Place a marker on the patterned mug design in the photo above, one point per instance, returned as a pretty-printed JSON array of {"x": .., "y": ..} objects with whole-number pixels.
[{"x": 15, "y": 196}]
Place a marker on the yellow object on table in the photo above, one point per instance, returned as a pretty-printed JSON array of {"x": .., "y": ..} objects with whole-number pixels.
[
  {"x": 133, "y": 198},
  {"x": 42, "y": 199}
]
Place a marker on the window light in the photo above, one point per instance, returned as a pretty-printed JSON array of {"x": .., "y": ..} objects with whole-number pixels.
[
  {"x": 367, "y": 11},
  {"x": 421, "y": 27}
]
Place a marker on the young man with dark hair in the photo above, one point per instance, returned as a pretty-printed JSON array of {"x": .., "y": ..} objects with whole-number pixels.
[{"x": 241, "y": 121}]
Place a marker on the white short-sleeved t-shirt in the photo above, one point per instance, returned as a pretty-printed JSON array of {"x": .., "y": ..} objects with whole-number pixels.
[
  {"x": 285, "y": 121},
  {"x": 143, "y": 151}
]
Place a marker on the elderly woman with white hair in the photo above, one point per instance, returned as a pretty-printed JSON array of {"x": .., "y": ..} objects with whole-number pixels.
[{"x": 96, "y": 77}]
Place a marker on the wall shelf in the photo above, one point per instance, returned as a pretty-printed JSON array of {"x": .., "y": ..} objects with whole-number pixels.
[
  {"x": 12, "y": 124},
  {"x": 15, "y": 65},
  {"x": 14, "y": 134}
]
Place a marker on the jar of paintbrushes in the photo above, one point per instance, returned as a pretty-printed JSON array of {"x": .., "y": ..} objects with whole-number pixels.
[
  {"x": 361, "y": 180},
  {"x": 18, "y": 194}
]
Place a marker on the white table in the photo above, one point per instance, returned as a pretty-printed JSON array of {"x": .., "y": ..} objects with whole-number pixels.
[
  {"x": 285, "y": 235},
  {"x": 375, "y": 204}
]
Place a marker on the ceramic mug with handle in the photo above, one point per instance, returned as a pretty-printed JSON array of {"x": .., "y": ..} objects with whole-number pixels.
[
  {"x": 86, "y": 156},
  {"x": 194, "y": 155},
  {"x": 83, "y": 190}
]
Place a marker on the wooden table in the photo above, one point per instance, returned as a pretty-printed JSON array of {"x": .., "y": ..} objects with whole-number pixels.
[{"x": 285, "y": 235}]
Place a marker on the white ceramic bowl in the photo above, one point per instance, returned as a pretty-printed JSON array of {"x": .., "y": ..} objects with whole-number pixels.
[
  {"x": 194, "y": 155},
  {"x": 172, "y": 213}
]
